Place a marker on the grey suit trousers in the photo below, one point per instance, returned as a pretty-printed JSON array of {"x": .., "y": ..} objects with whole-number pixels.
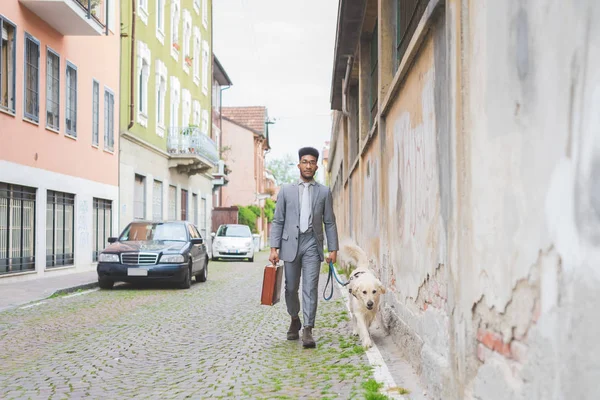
[{"x": 306, "y": 265}]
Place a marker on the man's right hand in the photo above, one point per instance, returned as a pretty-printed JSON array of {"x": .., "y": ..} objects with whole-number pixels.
[{"x": 274, "y": 256}]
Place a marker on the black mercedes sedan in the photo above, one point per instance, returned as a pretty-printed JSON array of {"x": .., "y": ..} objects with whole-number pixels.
[{"x": 154, "y": 251}]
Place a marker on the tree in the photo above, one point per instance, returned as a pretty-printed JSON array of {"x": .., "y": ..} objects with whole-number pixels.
[{"x": 284, "y": 169}]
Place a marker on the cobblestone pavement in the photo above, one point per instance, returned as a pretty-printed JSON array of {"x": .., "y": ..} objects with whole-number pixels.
[{"x": 212, "y": 341}]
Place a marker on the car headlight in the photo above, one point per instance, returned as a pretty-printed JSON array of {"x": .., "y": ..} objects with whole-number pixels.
[
  {"x": 107, "y": 257},
  {"x": 172, "y": 258},
  {"x": 249, "y": 244}
]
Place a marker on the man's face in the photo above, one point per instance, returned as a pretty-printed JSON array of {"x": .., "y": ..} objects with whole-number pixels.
[{"x": 308, "y": 167}]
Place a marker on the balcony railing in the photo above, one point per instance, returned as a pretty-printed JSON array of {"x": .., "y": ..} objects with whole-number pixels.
[
  {"x": 191, "y": 141},
  {"x": 72, "y": 17}
]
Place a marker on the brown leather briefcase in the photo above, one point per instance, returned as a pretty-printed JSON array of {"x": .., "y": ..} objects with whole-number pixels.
[{"x": 271, "y": 289}]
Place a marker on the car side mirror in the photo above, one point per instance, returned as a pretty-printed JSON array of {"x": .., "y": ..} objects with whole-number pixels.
[
  {"x": 212, "y": 234},
  {"x": 197, "y": 241},
  {"x": 112, "y": 239}
]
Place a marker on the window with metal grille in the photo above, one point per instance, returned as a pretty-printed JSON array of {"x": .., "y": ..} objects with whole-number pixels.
[
  {"x": 184, "y": 204},
  {"x": 157, "y": 201},
  {"x": 109, "y": 120},
  {"x": 102, "y": 225},
  {"x": 195, "y": 208},
  {"x": 139, "y": 197},
  {"x": 8, "y": 48},
  {"x": 71, "y": 117},
  {"x": 408, "y": 15},
  {"x": 52, "y": 89},
  {"x": 373, "y": 77},
  {"x": 60, "y": 226},
  {"x": 95, "y": 113},
  {"x": 32, "y": 78},
  {"x": 17, "y": 228},
  {"x": 172, "y": 203}
]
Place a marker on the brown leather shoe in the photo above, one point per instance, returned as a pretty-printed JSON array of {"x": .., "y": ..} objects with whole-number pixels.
[
  {"x": 295, "y": 326},
  {"x": 307, "y": 339}
]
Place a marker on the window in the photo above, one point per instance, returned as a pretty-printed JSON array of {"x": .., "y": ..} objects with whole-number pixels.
[
  {"x": 175, "y": 13},
  {"x": 196, "y": 113},
  {"x": 174, "y": 101},
  {"x": 8, "y": 48},
  {"x": 60, "y": 224},
  {"x": 71, "y": 117},
  {"x": 196, "y": 57},
  {"x": 187, "y": 36},
  {"x": 95, "y": 112},
  {"x": 161, "y": 93},
  {"x": 408, "y": 15},
  {"x": 52, "y": 90},
  {"x": 109, "y": 120},
  {"x": 373, "y": 77},
  {"x": 205, "y": 61},
  {"x": 184, "y": 205},
  {"x": 32, "y": 78},
  {"x": 160, "y": 20},
  {"x": 143, "y": 10},
  {"x": 17, "y": 228},
  {"x": 172, "y": 203},
  {"x": 205, "y": 122},
  {"x": 102, "y": 226},
  {"x": 143, "y": 70},
  {"x": 203, "y": 216},
  {"x": 197, "y": 6},
  {"x": 186, "y": 109},
  {"x": 157, "y": 201},
  {"x": 139, "y": 197},
  {"x": 195, "y": 208},
  {"x": 205, "y": 13}
]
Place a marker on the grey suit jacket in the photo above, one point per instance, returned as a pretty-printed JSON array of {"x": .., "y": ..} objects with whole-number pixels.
[{"x": 285, "y": 228}]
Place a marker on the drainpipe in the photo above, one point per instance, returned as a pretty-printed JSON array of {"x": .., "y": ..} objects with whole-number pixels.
[{"x": 132, "y": 68}]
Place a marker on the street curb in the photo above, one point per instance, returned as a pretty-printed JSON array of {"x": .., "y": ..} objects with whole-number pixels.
[{"x": 75, "y": 288}]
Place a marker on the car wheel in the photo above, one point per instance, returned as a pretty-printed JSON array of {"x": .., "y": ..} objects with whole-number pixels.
[
  {"x": 187, "y": 279},
  {"x": 214, "y": 259},
  {"x": 251, "y": 259},
  {"x": 105, "y": 283},
  {"x": 201, "y": 277}
]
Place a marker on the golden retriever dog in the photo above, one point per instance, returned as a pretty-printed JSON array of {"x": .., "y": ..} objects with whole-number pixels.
[{"x": 365, "y": 292}]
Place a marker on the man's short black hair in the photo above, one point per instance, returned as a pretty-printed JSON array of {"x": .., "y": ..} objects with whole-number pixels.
[{"x": 308, "y": 151}]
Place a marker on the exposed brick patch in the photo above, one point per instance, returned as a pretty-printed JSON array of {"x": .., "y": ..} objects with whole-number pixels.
[
  {"x": 433, "y": 291},
  {"x": 494, "y": 341}
]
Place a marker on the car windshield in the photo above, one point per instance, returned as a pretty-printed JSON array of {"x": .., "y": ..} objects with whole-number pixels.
[
  {"x": 140, "y": 231},
  {"x": 234, "y": 231}
]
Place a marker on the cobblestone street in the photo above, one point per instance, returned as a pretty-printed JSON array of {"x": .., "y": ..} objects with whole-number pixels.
[{"x": 212, "y": 341}]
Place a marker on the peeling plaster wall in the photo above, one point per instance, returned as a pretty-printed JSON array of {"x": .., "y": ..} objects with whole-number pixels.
[{"x": 478, "y": 202}]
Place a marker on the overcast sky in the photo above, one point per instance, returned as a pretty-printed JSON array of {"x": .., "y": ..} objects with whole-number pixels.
[{"x": 279, "y": 53}]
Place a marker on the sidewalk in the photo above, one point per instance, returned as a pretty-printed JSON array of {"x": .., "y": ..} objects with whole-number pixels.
[{"x": 23, "y": 292}]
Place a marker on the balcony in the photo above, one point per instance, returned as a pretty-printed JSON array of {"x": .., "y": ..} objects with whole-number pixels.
[
  {"x": 72, "y": 17},
  {"x": 191, "y": 151},
  {"x": 220, "y": 174}
]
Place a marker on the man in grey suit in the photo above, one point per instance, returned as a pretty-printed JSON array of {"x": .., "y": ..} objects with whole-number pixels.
[{"x": 297, "y": 238}]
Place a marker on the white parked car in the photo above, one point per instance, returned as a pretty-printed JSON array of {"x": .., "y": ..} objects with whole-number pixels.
[{"x": 233, "y": 241}]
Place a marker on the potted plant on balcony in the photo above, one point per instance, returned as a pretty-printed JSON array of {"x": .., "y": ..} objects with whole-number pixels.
[
  {"x": 176, "y": 46},
  {"x": 189, "y": 131},
  {"x": 188, "y": 61},
  {"x": 94, "y": 4}
]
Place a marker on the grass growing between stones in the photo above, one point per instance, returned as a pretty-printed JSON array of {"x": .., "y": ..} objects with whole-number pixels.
[{"x": 372, "y": 390}]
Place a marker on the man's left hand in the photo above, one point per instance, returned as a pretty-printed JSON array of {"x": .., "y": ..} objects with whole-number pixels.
[{"x": 332, "y": 257}]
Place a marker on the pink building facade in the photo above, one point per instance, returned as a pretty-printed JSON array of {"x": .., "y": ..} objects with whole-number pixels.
[
  {"x": 59, "y": 83},
  {"x": 245, "y": 135}
]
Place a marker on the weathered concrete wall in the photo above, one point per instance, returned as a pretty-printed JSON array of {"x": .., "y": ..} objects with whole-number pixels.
[{"x": 478, "y": 201}]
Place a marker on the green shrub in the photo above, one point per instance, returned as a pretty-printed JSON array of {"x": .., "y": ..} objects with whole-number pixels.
[
  {"x": 246, "y": 216},
  {"x": 269, "y": 209}
]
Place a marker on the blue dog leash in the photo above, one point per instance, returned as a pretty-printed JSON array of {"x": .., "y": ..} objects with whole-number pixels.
[{"x": 332, "y": 273}]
